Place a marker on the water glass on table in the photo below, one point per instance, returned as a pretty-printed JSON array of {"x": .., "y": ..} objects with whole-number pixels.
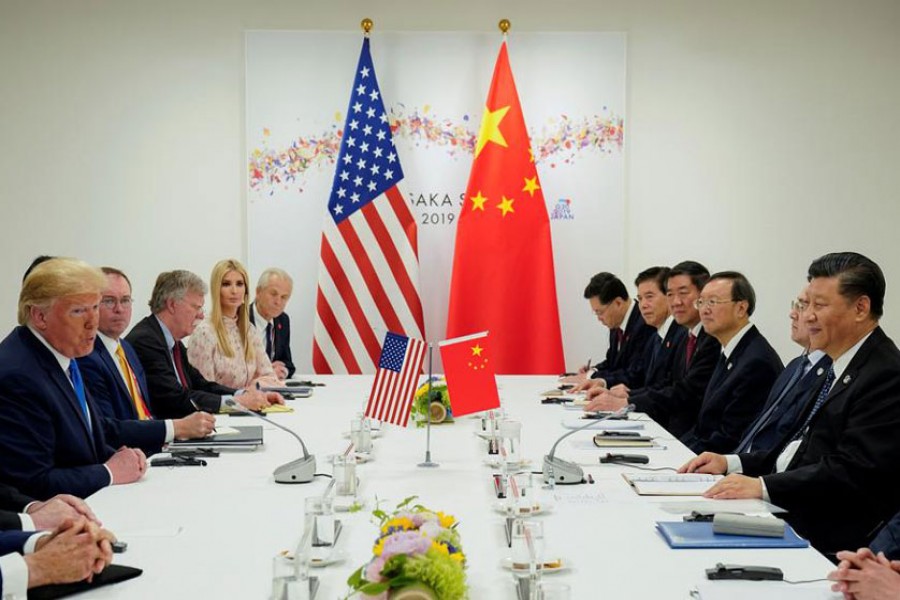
[
  {"x": 361, "y": 435},
  {"x": 344, "y": 473}
]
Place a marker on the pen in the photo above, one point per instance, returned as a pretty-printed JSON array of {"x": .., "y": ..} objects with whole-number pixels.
[{"x": 587, "y": 367}]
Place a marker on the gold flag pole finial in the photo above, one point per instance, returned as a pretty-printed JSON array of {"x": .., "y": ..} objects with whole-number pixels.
[
  {"x": 504, "y": 26},
  {"x": 366, "y": 25}
]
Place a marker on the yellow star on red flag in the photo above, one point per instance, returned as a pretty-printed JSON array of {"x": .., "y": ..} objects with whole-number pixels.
[{"x": 490, "y": 129}]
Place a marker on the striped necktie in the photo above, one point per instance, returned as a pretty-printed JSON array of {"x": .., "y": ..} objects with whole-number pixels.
[
  {"x": 131, "y": 382},
  {"x": 820, "y": 400}
]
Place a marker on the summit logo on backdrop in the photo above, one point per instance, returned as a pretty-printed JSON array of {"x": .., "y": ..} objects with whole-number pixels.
[{"x": 562, "y": 210}]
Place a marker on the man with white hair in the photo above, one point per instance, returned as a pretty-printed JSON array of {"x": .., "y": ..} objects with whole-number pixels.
[{"x": 274, "y": 326}]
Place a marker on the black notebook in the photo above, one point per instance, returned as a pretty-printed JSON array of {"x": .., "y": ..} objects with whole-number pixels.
[
  {"x": 251, "y": 435},
  {"x": 111, "y": 574}
]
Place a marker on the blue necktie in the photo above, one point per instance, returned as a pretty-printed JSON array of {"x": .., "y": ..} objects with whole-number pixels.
[
  {"x": 269, "y": 341},
  {"x": 820, "y": 400},
  {"x": 78, "y": 384},
  {"x": 746, "y": 444}
]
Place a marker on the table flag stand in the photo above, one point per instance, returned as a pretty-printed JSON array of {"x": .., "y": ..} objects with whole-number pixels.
[{"x": 427, "y": 463}]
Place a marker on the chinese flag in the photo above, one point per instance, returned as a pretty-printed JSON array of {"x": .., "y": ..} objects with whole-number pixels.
[
  {"x": 469, "y": 368},
  {"x": 503, "y": 278}
]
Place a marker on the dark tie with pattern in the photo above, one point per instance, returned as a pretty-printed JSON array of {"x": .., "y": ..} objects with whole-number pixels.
[
  {"x": 176, "y": 356},
  {"x": 820, "y": 400},
  {"x": 269, "y": 341},
  {"x": 691, "y": 346}
]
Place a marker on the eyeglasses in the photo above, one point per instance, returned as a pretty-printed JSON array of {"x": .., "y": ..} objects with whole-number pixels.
[
  {"x": 601, "y": 311},
  {"x": 111, "y": 302},
  {"x": 711, "y": 303},
  {"x": 799, "y": 305}
]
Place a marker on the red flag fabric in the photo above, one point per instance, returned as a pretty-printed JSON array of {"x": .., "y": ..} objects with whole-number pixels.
[
  {"x": 503, "y": 279},
  {"x": 396, "y": 379},
  {"x": 469, "y": 368}
]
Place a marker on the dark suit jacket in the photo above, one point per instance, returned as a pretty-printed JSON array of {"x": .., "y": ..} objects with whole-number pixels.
[
  {"x": 841, "y": 485},
  {"x": 45, "y": 443},
  {"x": 659, "y": 356},
  {"x": 102, "y": 378},
  {"x": 626, "y": 364},
  {"x": 888, "y": 539},
  {"x": 780, "y": 417},
  {"x": 168, "y": 399},
  {"x": 13, "y": 541},
  {"x": 676, "y": 405},
  {"x": 11, "y": 504},
  {"x": 736, "y": 393},
  {"x": 282, "y": 349}
]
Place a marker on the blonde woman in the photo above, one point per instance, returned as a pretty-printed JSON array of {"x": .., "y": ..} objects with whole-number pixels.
[{"x": 226, "y": 348}]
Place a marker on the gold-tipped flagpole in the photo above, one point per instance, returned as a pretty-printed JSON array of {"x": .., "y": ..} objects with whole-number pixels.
[
  {"x": 366, "y": 25},
  {"x": 504, "y": 25}
]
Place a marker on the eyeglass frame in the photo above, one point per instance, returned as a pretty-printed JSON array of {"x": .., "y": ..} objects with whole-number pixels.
[{"x": 712, "y": 303}]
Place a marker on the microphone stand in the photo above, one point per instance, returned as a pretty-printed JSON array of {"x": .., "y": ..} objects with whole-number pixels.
[
  {"x": 427, "y": 463},
  {"x": 557, "y": 470},
  {"x": 301, "y": 470}
]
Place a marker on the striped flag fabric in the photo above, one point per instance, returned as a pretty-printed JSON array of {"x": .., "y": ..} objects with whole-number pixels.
[
  {"x": 369, "y": 258},
  {"x": 396, "y": 379}
]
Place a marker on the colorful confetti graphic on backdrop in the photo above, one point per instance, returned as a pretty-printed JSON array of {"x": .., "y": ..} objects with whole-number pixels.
[{"x": 560, "y": 141}]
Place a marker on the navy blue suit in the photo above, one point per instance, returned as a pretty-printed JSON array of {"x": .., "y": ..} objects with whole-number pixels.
[
  {"x": 11, "y": 504},
  {"x": 736, "y": 393},
  {"x": 102, "y": 379},
  {"x": 841, "y": 485},
  {"x": 659, "y": 356},
  {"x": 282, "y": 346},
  {"x": 626, "y": 364},
  {"x": 888, "y": 539},
  {"x": 675, "y": 406},
  {"x": 780, "y": 417},
  {"x": 45, "y": 443},
  {"x": 12, "y": 541}
]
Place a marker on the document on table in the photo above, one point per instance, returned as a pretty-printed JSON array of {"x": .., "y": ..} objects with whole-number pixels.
[
  {"x": 680, "y": 484},
  {"x": 599, "y": 424},
  {"x": 770, "y": 590}
]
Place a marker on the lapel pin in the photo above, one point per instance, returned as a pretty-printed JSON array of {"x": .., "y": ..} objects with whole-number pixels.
[
  {"x": 729, "y": 366},
  {"x": 847, "y": 379},
  {"x": 819, "y": 372}
]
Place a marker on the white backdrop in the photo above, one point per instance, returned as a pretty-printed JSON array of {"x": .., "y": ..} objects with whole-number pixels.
[{"x": 572, "y": 88}]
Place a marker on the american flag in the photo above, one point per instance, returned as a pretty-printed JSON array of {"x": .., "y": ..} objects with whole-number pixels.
[
  {"x": 369, "y": 261},
  {"x": 396, "y": 379}
]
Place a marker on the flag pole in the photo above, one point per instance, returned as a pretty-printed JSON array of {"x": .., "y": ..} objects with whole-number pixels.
[
  {"x": 428, "y": 463},
  {"x": 504, "y": 26},
  {"x": 366, "y": 25}
]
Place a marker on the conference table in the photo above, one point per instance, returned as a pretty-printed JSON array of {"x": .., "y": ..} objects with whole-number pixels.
[{"x": 213, "y": 531}]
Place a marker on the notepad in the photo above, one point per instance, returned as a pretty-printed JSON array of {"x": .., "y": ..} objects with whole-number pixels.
[
  {"x": 239, "y": 437},
  {"x": 623, "y": 441},
  {"x": 277, "y": 408},
  {"x": 679, "y": 484}
]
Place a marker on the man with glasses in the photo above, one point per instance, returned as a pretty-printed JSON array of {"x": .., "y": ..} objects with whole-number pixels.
[
  {"x": 674, "y": 406},
  {"x": 176, "y": 388},
  {"x": 115, "y": 377},
  {"x": 791, "y": 391},
  {"x": 836, "y": 476},
  {"x": 746, "y": 368},
  {"x": 628, "y": 335}
]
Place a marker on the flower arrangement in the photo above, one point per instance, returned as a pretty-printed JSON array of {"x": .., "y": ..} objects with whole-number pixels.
[
  {"x": 416, "y": 548},
  {"x": 436, "y": 402}
]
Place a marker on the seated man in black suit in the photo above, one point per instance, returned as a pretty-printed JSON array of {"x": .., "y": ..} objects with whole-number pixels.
[
  {"x": 114, "y": 374},
  {"x": 53, "y": 438},
  {"x": 628, "y": 336},
  {"x": 836, "y": 475},
  {"x": 659, "y": 356},
  {"x": 274, "y": 325},
  {"x": 19, "y": 512},
  {"x": 177, "y": 389},
  {"x": 74, "y": 551},
  {"x": 746, "y": 369},
  {"x": 790, "y": 392},
  {"x": 674, "y": 406}
]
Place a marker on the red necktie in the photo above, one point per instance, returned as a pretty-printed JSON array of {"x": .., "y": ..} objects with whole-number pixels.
[
  {"x": 691, "y": 346},
  {"x": 176, "y": 354}
]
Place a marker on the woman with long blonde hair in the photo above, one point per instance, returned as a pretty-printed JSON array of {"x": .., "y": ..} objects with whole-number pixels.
[{"x": 226, "y": 348}]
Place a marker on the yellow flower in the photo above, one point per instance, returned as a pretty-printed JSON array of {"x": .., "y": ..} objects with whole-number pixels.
[
  {"x": 397, "y": 524},
  {"x": 379, "y": 547},
  {"x": 458, "y": 557},
  {"x": 446, "y": 521}
]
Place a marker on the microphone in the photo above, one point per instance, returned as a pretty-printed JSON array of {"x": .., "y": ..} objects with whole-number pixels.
[
  {"x": 564, "y": 471},
  {"x": 302, "y": 470}
]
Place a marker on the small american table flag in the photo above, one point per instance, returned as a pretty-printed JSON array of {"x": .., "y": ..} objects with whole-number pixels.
[{"x": 395, "y": 380}]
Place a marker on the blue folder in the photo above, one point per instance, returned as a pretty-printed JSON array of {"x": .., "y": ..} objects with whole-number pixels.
[{"x": 681, "y": 534}]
